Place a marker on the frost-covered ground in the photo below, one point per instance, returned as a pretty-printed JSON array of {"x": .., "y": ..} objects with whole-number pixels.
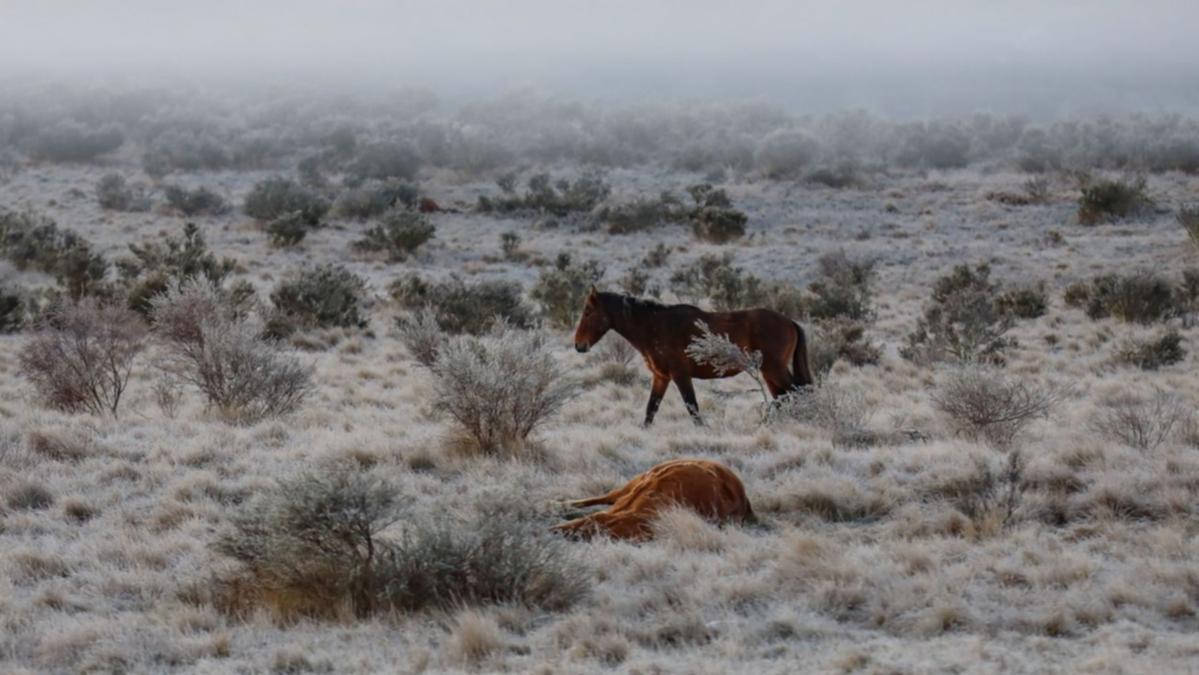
[{"x": 866, "y": 562}]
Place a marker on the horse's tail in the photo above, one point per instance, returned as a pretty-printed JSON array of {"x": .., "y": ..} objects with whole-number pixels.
[{"x": 800, "y": 369}]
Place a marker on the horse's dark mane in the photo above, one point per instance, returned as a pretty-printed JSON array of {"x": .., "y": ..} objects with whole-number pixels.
[{"x": 633, "y": 304}]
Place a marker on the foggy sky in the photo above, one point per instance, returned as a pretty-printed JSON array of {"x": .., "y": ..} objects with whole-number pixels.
[{"x": 905, "y": 57}]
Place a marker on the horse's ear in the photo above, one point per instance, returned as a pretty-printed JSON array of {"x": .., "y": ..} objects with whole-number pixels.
[{"x": 594, "y": 291}]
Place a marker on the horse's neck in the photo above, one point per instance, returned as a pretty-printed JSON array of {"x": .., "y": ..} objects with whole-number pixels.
[{"x": 634, "y": 328}]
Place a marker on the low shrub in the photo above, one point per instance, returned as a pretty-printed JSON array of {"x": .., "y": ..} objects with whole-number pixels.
[
  {"x": 321, "y": 296},
  {"x": 713, "y": 219},
  {"x": 716, "y": 279},
  {"x": 543, "y": 195},
  {"x": 195, "y": 202},
  {"x": 82, "y": 359},
  {"x": 276, "y": 197},
  {"x": 1188, "y": 218},
  {"x": 1035, "y": 191},
  {"x": 839, "y": 339},
  {"x": 837, "y": 176},
  {"x": 374, "y": 198},
  {"x": 843, "y": 288},
  {"x": 510, "y": 245},
  {"x": 657, "y": 256},
  {"x": 288, "y": 230},
  {"x": 638, "y": 283},
  {"x": 1107, "y": 200},
  {"x": 422, "y": 335},
  {"x": 498, "y": 388},
  {"x": 842, "y": 410},
  {"x": 1144, "y": 422},
  {"x": 335, "y": 538},
  {"x": 465, "y": 308},
  {"x": 12, "y": 311},
  {"x": 155, "y": 266},
  {"x": 115, "y": 194},
  {"x": 31, "y": 241},
  {"x": 1152, "y": 354},
  {"x": 398, "y": 235},
  {"x": 1024, "y": 303},
  {"x": 210, "y": 344},
  {"x": 616, "y": 356},
  {"x": 1141, "y": 297},
  {"x": 786, "y": 153},
  {"x": 984, "y": 403},
  {"x": 962, "y": 322},
  {"x": 560, "y": 291},
  {"x": 643, "y": 214},
  {"x": 728, "y": 287}
]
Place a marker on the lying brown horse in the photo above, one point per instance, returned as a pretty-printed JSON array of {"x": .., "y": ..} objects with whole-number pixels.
[
  {"x": 662, "y": 333},
  {"x": 712, "y": 490}
]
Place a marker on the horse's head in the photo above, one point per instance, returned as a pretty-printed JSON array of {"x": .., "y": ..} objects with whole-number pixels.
[{"x": 593, "y": 324}]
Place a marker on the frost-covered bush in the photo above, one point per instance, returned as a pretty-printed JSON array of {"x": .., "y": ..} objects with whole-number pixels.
[
  {"x": 155, "y": 266},
  {"x": 499, "y": 387},
  {"x": 195, "y": 202},
  {"x": 321, "y": 296},
  {"x": 31, "y": 241},
  {"x": 1188, "y": 218},
  {"x": 115, "y": 194},
  {"x": 422, "y": 335},
  {"x": 962, "y": 321},
  {"x": 1107, "y": 200},
  {"x": 843, "y": 288},
  {"x": 398, "y": 235},
  {"x": 209, "y": 343},
  {"x": 82, "y": 358},
  {"x": 460, "y": 307},
  {"x": 277, "y": 197},
  {"x": 336, "y": 538},
  {"x": 1142, "y": 421},
  {"x": 985, "y": 403},
  {"x": 543, "y": 195},
  {"x": 374, "y": 198},
  {"x": 561, "y": 290},
  {"x": 714, "y": 219},
  {"x": 1154, "y": 353},
  {"x": 786, "y": 153},
  {"x": 1141, "y": 297}
]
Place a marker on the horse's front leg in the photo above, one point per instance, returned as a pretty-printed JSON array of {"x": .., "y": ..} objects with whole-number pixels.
[
  {"x": 683, "y": 382},
  {"x": 656, "y": 392}
]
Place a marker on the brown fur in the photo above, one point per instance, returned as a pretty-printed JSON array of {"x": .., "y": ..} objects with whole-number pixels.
[
  {"x": 662, "y": 333},
  {"x": 712, "y": 490}
]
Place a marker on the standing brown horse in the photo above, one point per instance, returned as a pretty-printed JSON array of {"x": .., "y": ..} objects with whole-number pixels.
[{"x": 662, "y": 333}]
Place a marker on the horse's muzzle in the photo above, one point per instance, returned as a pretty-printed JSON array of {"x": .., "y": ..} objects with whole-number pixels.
[{"x": 582, "y": 347}]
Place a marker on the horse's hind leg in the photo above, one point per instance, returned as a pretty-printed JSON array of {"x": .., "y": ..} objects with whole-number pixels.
[
  {"x": 687, "y": 390},
  {"x": 602, "y": 500},
  {"x": 656, "y": 392},
  {"x": 778, "y": 379}
]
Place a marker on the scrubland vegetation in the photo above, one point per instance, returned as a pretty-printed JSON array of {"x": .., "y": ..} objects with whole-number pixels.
[{"x": 287, "y": 385}]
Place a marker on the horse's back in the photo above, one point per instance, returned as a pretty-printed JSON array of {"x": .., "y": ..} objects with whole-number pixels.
[{"x": 757, "y": 328}]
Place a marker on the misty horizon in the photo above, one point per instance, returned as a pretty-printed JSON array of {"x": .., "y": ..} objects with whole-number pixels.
[{"x": 1041, "y": 60}]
